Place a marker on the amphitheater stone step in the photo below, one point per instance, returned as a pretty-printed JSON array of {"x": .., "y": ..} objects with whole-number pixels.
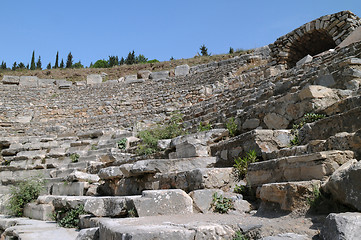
[
  {"x": 349, "y": 121},
  {"x": 27, "y": 229},
  {"x": 297, "y": 168},
  {"x": 262, "y": 141},
  {"x": 188, "y": 180}
]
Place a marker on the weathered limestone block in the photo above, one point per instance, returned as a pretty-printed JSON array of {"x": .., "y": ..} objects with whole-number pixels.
[
  {"x": 304, "y": 60},
  {"x": 94, "y": 79},
  {"x": 345, "y": 226},
  {"x": 23, "y": 119},
  {"x": 91, "y": 134},
  {"x": 157, "y": 76},
  {"x": 130, "y": 77},
  {"x": 70, "y": 189},
  {"x": 63, "y": 84},
  {"x": 82, "y": 177},
  {"x": 30, "y": 155},
  {"x": 143, "y": 74},
  {"x": 289, "y": 195},
  {"x": 326, "y": 80},
  {"x": 28, "y": 81},
  {"x": 11, "y": 80},
  {"x": 153, "y": 166},
  {"x": 56, "y": 153},
  {"x": 262, "y": 141},
  {"x": 163, "y": 202},
  {"x": 251, "y": 123},
  {"x": 181, "y": 70},
  {"x": 275, "y": 121},
  {"x": 131, "y": 81},
  {"x": 197, "y": 144},
  {"x": 41, "y": 212},
  {"x": 316, "y": 91},
  {"x": 110, "y": 173},
  {"x": 344, "y": 184},
  {"x": 88, "y": 234},
  {"x": 287, "y": 236},
  {"x": 46, "y": 82},
  {"x": 109, "y": 206},
  {"x": 297, "y": 168}
]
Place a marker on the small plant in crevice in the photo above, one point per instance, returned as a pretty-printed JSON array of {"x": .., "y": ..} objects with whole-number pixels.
[
  {"x": 221, "y": 204},
  {"x": 173, "y": 128},
  {"x": 132, "y": 213},
  {"x": 307, "y": 118},
  {"x": 241, "y": 164},
  {"x": 240, "y": 236},
  {"x": 204, "y": 127},
  {"x": 94, "y": 147},
  {"x": 24, "y": 192},
  {"x": 232, "y": 127},
  {"x": 74, "y": 157},
  {"x": 122, "y": 144},
  {"x": 69, "y": 218}
]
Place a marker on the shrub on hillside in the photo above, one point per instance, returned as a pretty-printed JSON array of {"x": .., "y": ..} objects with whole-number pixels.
[
  {"x": 23, "y": 193},
  {"x": 100, "y": 64}
]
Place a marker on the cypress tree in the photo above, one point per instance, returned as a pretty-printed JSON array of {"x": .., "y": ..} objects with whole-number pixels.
[
  {"x": 131, "y": 58},
  {"x": 38, "y": 64},
  {"x": 69, "y": 62},
  {"x": 204, "y": 50},
  {"x": 121, "y": 62},
  {"x": 57, "y": 60},
  {"x": 3, "y": 65},
  {"x": 49, "y": 66},
  {"x": 62, "y": 63},
  {"x": 14, "y": 66},
  {"x": 32, "y": 64}
]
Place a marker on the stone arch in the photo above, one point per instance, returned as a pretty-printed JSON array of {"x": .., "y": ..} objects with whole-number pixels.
[{"x": 314, "y": 37}]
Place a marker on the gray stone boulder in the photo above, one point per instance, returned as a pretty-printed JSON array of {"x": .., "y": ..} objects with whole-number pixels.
[
  {"x": 157, "y": 76},
  {"x": 163, "y": 202},
  {"x": 345, "y": 185},
  {"x": 344, "y": 226},
  {"x": 197, "y": 144},
  {"x": 94, "y": 79},
  {"x": 143, "y": 74},
  {"x": 304, "y": 60},
  {"x": 28, "y": 81},
  {"x": 63, "y": 84},
  {"x": 88, "y": 234},
  {"x": 109, "y": 206},
  {"x": 181, "y": 70},
  {"x": 130, "y": 78}
]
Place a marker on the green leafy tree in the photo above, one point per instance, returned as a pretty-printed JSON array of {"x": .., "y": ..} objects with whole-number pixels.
[
  {"x": 62, "y": 63},
  {"x": 130, "y": 59},
  {"x": 57, "y": 60},
  {"x": 32, "y": 64},
  {"x": 204, "y": 50},
  {"x": 78, "y": 65},
  {"x": 113, "y": 61},
  {"x": 21, "y": 65},
  {"x": 15, "y": 66},
  {"x": 100, "y": 64},
  {"x": 141, "y": 59},
  {"x": 49, "y": 66},
  {"x": 122, "y": 61},
  {"x": 69, "y": 62},
  {"x": 38, "y": 64},
  {"x": 3, "y": 65}
]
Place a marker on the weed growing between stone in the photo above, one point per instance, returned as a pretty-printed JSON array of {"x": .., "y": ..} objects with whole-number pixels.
[
  {"x": 232, "y": 127},
  {"x": 221, "y": 204},
  {"x": 74, "y": 157},
  {"x": 241, "y": 164},
  {"x": 69, "y": 218},
  {"x": 240, "y": 236},
  {"x": 150, "y": 137},
  {"x": 204, "y": 127},
  {"x": 307, "y": 118},
  {"x": 122, "y": 144},
  {"x": 24, "y": 192}
]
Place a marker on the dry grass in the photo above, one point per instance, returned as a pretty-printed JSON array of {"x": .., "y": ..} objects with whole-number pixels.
[
  {"x": 117, "y": 71},
  {"x": 253, "y": 64}
]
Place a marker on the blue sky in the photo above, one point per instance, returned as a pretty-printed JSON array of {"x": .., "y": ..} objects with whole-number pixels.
[{"x": 159, "y": 29}]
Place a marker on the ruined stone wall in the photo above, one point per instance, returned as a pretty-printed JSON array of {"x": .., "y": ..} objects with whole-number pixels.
[{"x": 314, "y": 37}]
